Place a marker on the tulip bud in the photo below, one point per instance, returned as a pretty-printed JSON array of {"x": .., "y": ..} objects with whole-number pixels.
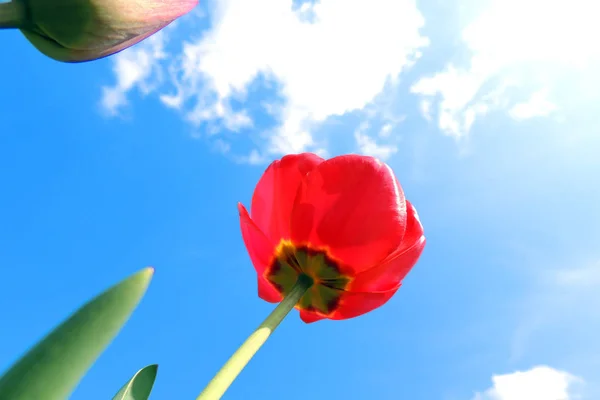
[{"x": 85, "y": 30}]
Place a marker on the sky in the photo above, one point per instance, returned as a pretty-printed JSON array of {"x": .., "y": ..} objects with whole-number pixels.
[{"x": 487, "y": 112}]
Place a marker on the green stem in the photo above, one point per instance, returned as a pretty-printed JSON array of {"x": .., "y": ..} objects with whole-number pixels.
[
  {"x": 12, "y": 15},
  {"x": 232, "y": 368}
]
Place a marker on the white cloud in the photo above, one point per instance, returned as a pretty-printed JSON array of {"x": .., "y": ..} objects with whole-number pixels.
[
  {"x": 138, "y": 67},
  {"x": 325, "y": 59},
  {"x": 538, "y": 383},
  {"x": 514, "y": 44},
  {"x": 538, "y": 105},
  {"x": 368, "y": 146},
  {"x": 425, "y": 106},
  {"x": 253, "y": 158},
  {"x": 578, "y": 279},
  {"x": 386, "y": 130}
]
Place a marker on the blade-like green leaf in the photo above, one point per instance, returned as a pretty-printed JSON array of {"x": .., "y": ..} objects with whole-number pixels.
[
  {"x": 52, "y": 369},
  {"x": 140, "y": 386}
]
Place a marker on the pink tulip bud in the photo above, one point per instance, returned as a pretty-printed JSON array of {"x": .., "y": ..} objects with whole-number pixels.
[{"x": 85, "y": 30}]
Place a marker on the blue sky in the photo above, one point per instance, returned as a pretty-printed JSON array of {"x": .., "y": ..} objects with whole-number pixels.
[{"x": 486, "y": 112}]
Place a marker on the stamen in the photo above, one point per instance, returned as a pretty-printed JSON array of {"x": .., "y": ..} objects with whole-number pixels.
[{"x": 329, "y": 281}]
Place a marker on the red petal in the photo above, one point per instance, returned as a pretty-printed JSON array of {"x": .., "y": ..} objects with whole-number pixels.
[
  {"x": 310, "y": 316},
  {"x": 267, "y": 292},
  {"x": 390, "y": 272},
  {"x": 261, "y": 251},
  {"x": 353, "y": 304},
  {"x": 354, "y": 206},
  {"x": 275, "y": 193}
]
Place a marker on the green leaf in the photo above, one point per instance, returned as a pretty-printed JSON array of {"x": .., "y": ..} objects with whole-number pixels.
[
  {"x": 54, "y": 367},
  {"x": 140, "y": 386}
]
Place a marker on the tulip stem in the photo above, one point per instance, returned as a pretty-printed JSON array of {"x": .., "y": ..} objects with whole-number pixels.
[
  {"x": 232, "y": 368},
  {"x": 12, "y": 15}
]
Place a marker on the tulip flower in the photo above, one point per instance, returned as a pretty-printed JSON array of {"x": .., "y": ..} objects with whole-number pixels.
[
  {"x": 333, "y": 238},
  {"x": 85, "y": 30}
]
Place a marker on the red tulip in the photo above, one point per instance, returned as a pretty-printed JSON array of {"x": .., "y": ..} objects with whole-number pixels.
[{"x": 344, "y": 222}]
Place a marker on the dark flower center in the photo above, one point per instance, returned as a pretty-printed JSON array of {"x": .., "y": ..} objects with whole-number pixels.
[{"x": 329, "y": 282}]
